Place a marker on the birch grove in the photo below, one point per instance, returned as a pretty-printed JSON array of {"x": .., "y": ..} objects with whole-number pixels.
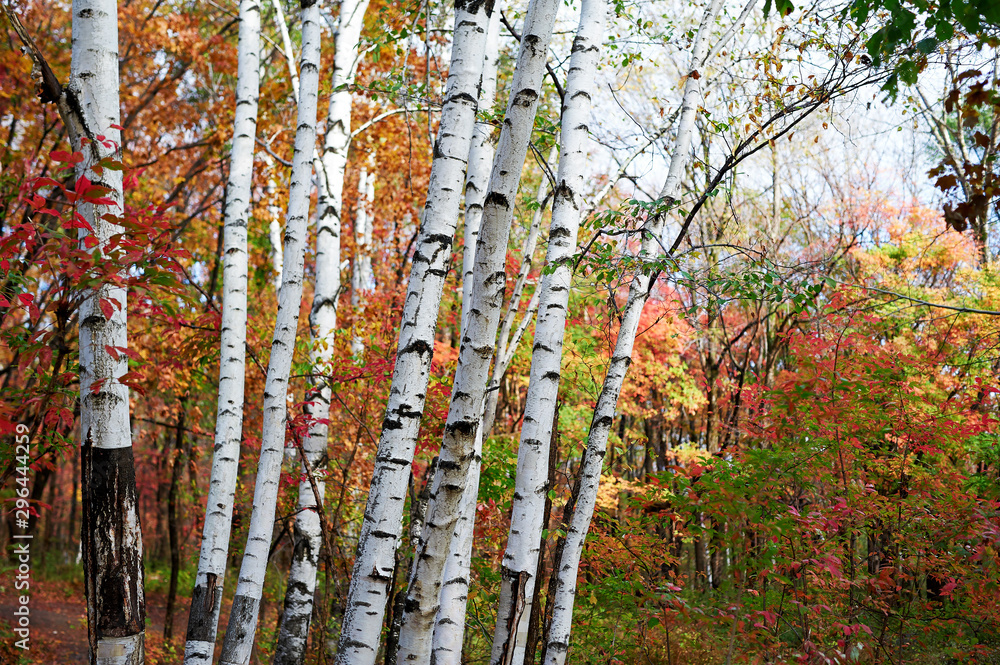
[
  {"x": 380, "y": 531},
  {"x": 481, "y": 323},
  {"x": 521, "y": 557},
  {"x": 111, "y": 538},
  {"x": 206, "y": 600},
  {"x": 239, "y": 639},
  {"x": 301, "y": 586},
  {"x": 426, "y": 488}
]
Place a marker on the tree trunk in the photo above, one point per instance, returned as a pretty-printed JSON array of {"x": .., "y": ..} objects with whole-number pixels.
[
  {"x": 239, "y": 640},
  {"x": 507, "y": 345},
  {"x": 111, "y": 535},
  {"x": 380, "y": 529},
  {"x": 520, "y": 561},
  {"x": 481, "y": 153},
  {"x": 173, "y": 528},
  {"x": 362, "y": 279},
  {"x": 330, "y": 169},
  {"x": 481, "y": 323},
  {"x": 206, "y": 599},
  {"x": 568, "y": 562}
]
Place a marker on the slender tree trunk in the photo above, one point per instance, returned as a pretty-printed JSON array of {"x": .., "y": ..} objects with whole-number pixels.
[
  {"x": 206, "y": 599},
  {"x": 567, "y": 565},
  {"x": 449, "y": 628},
  {"x": 173, "y": 528},
  {"x": 481, "y": 323},
  {"x": 380, "y": 530},
  {"x": 362, "y": 279},
  {"x": 520, "y": 562},
  {"x": 330, "y": 169},
  {"x": 534, "y": 625},
  {"x": 239, "y": 640},
  {"x": 111, "y": 535},
  {"x": 477, "y": 178},
  {"x": 506, "y": 344},
  {"x": 274, "y": 235}
]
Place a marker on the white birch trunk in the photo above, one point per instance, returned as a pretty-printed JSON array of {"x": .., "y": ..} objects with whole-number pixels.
[
  {"x": 330, "y": 169},
  {"x": 585, "y": 495},
  {"x": 520, "y": 562},
  {"x": 476, "y": 351},
  {"x": 238, "y": 643},
  {"x": 206, "y": 599},
  {"x": 481, "y": 153},
  {"x": 362, "y": 278},
  {"x": 274, "y": 235},
  {"x": 111, "y": 538},
  {"x": 274, "y": 228},
  {"x": 506, "y": 346},
  {"x": 449, "y": 625},
  {"x": 380, "y": 530}
]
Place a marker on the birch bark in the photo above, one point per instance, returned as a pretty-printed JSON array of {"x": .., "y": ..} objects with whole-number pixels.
[
  {"x": 274, "y": 235},
  {"x": 482, "y": 320},
  {"x": 238, "y": 643},
  {"x": 506, "y": 346},
  {"x": 380, "y": 529},
  {"x": 520, "y": 560},
  {"x": 481, "y": 155},
  {"x": 300, "y": 594},
  {"x": 449, "y": 625},
  {"x": 362, "y": 279},
  {"x": 330, "y": 168},
  {"x": 585, "y": 494},
  {"x": 111, "y": 538},
  {"x": 206, "y": 599}
]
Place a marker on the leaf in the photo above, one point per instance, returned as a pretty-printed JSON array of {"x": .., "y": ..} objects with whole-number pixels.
[
  {"x": 66, "y": 157},
  {"x": 107, "y": 309},
  {"x": 25, "y": 298}
]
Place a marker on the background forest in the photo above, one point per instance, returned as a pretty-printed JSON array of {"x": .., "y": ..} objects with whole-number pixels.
[{"x": 708, "y": 373}]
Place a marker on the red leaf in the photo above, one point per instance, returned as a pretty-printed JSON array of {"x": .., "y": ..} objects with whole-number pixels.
[
  {"x": 113, "y": 352},
  {"x": 106, "y": 308},
  {"x": 67, "y": 157},
  {"x": 25, "y": 298}
]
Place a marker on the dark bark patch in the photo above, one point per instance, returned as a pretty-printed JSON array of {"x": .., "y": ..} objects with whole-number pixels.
[
  {"x": 112, "y": 555},
  {"x": 203, "y": 620},
  {"x": 242, "y": 626}
]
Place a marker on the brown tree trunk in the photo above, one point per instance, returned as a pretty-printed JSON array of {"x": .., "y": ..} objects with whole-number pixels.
[{"x": 173, "y": 529}]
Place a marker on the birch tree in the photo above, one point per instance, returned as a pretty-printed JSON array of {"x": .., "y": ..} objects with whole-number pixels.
[
  {"x": 449, "y": 627},
  {"x": 111, "y": 538},
  {"x": 330, "y": 169},
  {"x": 382, "y": 524},
  {"x": 584, "y": 498},
  {"x": 506, "y": 343},
  {"x": 238, "y": 643},
  {"x": 362, "y": 278},
  {"x": 520, "y": 561},
  {"x": 449, "y": 624},
  {"x": 481, "y": 153},
  {"x": 481, "y": 323},
  {"x": 206, "y": 599}
]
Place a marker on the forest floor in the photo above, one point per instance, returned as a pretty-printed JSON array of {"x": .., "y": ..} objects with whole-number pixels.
[{"x": 59, "y": 625}]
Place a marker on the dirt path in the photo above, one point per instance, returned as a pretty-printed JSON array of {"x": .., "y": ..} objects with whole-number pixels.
[{"x": 59, "y": 624}]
